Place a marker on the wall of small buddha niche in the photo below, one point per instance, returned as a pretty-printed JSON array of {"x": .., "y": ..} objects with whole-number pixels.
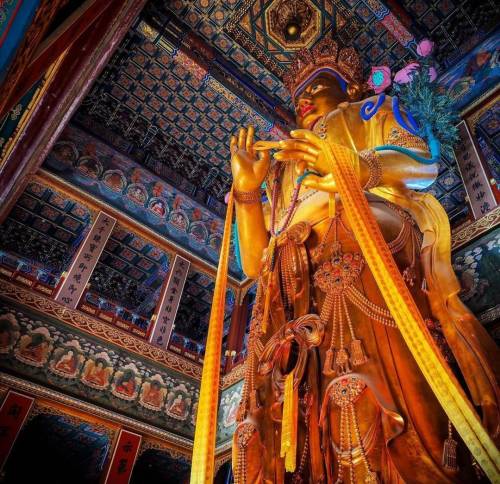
[
  {"x": 86, "y": 162},
  {"x": 50, "y": 353},
  {"x": 477, "y": 266},
  {"x": 228, "y": 408}
]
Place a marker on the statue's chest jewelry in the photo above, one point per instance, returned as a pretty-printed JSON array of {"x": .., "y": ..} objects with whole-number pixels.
[{"x": 340, "y": 272}]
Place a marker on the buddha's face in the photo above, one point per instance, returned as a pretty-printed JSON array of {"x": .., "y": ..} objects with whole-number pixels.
[{"x": 318, "y": 98}]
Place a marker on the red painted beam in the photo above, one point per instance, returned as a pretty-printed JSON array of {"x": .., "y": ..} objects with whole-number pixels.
[
  {"x": 52, "y": 47},
  {"x": 76, "y": 73}
]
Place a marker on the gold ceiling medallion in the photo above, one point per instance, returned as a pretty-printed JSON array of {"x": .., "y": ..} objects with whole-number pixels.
[{"x": 293, "y": 24}]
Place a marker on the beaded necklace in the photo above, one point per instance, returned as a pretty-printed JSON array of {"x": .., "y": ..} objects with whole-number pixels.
[{"x": 274, "y": 202}]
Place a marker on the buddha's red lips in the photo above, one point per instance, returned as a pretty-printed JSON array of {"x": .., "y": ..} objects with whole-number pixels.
[{"x": 304, "y": 111}]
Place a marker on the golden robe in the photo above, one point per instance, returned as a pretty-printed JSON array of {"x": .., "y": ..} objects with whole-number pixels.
[{"x": 393, "y": 424}]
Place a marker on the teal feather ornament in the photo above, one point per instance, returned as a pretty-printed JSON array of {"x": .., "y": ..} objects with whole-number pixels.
[{"x": 431, "y": 107}]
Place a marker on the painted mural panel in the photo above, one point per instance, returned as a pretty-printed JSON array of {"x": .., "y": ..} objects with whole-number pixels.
[
  {"x": 228, "y": 408},
  {"x": 51, "y": 353},
  {"x": 86, "y": 162},
  {"x": 475, "y": 74},
  {"x": 478, "y": 269}
]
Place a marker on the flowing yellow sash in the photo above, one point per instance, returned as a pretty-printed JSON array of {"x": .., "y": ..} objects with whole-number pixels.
[
  {"x": 202, "y": 466},
  {"x": 405, "y": 312}
]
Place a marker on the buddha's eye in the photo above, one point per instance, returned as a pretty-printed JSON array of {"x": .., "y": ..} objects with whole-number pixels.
[{"x": 316, "y": 88}]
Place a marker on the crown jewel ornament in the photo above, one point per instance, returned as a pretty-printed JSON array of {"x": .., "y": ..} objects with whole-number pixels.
[{"x": 325, "y": 56}]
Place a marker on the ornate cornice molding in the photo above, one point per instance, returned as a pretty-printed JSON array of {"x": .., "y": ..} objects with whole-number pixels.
[
  {"x": 98, "y": 328},
  {"x": 43, "y": 392},
  {"x": 234, "y": 376},
  {"x": 175, "y": 445},
  {"x": 221, "y": 459},
  {"x": 475, "y": 229}
]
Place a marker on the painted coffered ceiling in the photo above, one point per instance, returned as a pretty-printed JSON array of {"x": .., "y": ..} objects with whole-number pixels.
[{"x": 152, "y": 136}]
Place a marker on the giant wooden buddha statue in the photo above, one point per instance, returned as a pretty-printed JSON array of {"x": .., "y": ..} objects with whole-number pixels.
[{"x": 359, "y": 346}]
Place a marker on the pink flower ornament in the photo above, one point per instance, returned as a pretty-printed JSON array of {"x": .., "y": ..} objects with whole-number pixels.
[
  {"x": 425, "y": 48},
  {"x": 380, "y": 79},
  {"x": 406, "y": 73}
]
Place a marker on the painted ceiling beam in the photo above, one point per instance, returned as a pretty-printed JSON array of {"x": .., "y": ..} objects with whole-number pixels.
[
  {"x": 392, "y": 24},
  {"x": 33, "y": 35},
  {"x": 79, "y": 22},
  {"x": 95, "y": 204},
  {"x": 75, "y": 74}
]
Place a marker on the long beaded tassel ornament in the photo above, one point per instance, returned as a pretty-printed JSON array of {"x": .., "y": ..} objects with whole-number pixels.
[
  {"x": 344, "y": 392},
  {"x": 246, "y": 432}
]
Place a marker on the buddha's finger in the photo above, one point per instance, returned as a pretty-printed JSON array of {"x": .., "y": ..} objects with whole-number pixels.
[
  {"x": 319, "y": 183},
  {"x": 233, "y": 144},
  {"x": 249, "y": 140},
  {"x": 323, "y": 183},
  {"x": 305, "y": 134},
  {"x": 295, "y": 155},
  {"x": 242, "y": 138},
  {"x": 266, "y": 145},
  {"x": 311, "y": 181},
  {"x": 291, "y": 144}
]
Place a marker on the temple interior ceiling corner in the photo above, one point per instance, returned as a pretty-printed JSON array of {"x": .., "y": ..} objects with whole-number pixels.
[{"x": 119, "y": 125}]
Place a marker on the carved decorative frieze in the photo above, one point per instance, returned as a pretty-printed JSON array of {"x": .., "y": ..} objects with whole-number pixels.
[
  {"x": 235, "y": 375},
  {"x": 43, "y": 392},
  {"x": 475, "y": 229},
  {"x": 100, "y": 329}
]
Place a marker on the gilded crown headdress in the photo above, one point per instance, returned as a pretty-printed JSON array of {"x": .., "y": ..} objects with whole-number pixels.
[{"x": 324, "y": 56}]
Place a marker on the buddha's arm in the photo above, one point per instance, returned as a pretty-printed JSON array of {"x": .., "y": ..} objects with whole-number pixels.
[
  {"x": 249, "y": 169},
  {"x": 397, "y": 169},
  {"x": 252, "y": 235}
]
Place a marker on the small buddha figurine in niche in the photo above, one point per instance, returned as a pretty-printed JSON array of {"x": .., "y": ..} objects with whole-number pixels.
[{"x": 321, "y": 330}]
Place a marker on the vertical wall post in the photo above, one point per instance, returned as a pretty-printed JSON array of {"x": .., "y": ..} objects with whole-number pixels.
[
  {"x": 170, "y": 297},
  {"x": 477, "y": 185},
  {"x": 71, "y": 289},
  {"x": 123, "y": 458}
]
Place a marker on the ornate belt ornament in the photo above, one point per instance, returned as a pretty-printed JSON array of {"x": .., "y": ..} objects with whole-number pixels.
[
  {"x": 337, "y": 278},
  {"x": 307, "y": 331}
]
